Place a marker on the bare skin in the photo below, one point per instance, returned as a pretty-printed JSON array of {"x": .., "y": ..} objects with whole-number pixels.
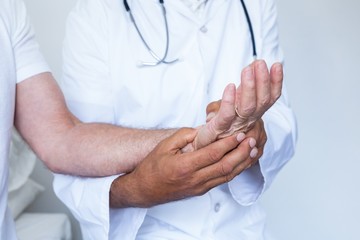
[
  {"x": 241, "y": 108},
  {"x": 69, "y": 146},
  {"x": 166, "y": 176},
  {"x": 258, "y": 91},
  {"x": 66, "y": 145}
]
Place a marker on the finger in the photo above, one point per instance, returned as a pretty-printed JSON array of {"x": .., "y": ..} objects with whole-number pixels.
[
  {"x": 231, "y": 165},
  {"x": 178, "y": 140},
  {"x": 213, "y": 152},
  {"x": 258, "y": 132},
  {"x": 224, "y": 107},
  {"x": 210, "y": 116},
  {"x": 276, "y": 78},
  {"x": 226, "y": 114},
  {"x": 246, "y": 93},
  {"x": 213, "y": 107},
  {"x": 255, "y": 155},
  {"x": 263, "y": 87}
]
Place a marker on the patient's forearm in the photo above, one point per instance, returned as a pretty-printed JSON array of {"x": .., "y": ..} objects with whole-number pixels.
[
  {"x": 103, "y": 149},
  {"x": 68, "y": 146}
]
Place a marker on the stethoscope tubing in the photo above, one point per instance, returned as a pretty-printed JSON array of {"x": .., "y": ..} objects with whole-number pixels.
[
  {"x": 250, "y": 28},
  {"x": 162, "y": 59}
]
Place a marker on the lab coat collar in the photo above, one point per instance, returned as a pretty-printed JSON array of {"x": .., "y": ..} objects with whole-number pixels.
[{"x": 211, "y": 8}]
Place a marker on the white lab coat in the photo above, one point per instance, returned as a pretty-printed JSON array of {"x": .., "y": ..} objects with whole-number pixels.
[{"x": 102, "y": 82}]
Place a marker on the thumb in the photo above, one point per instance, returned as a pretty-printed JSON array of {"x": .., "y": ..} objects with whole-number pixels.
[
  {"x": 179, "y": 139},
  {"x": 226, "y": 112}
]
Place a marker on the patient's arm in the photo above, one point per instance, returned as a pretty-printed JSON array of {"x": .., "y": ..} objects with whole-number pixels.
[{"x": 69, "y": 146}]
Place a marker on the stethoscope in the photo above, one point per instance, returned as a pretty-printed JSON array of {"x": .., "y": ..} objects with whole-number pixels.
[{"x": 162, "y": 59}]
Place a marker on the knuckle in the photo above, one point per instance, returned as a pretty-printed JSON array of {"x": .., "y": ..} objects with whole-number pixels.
[
  {"x": 180, "y": 172},
  {"x": 228, "y": 116},
  {"x": 176, "y": 172},
  {"x": 265, "y": 101},
  {"x": 224, "y": 121},
  {"x": 230, "y": 177},
  {"x": 248, "y": 110},
  {"x": 212, "y": 128},
  {"x": 226, "y": 168},
  {"x": 248, "y": 83},
  {"x": 214, "y": 155}
]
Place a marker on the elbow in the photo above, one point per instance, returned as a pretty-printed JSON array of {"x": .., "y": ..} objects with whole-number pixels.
[
  {"x": 51, "y": 163},
  {"x": 52, "y": 160},
  {"x": 54, "y": 166}
]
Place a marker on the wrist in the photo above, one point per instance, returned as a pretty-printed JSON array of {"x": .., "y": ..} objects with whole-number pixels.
[{"x": 123, "y": 192}]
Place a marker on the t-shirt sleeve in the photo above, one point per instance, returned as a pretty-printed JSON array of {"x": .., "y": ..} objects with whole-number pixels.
[{"x": 28, "y": 58}]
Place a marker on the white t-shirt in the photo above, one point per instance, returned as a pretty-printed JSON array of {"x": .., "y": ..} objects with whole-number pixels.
[{"x": 19, "y": 59}]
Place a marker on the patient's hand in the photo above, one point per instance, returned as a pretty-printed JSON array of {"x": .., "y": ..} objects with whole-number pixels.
[{"x": 241, "y": 108}]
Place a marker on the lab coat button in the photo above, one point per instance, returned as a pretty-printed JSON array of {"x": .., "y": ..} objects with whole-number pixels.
[
  {"x": 217, "y": 207},
  {"x": 203, "y": 29}
]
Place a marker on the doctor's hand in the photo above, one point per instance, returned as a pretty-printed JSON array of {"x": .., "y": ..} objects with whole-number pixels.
[
  {"x": 240, "y": 108},
  {"x": 258, "y": 91},
  {"x": 167, "y": 174}
]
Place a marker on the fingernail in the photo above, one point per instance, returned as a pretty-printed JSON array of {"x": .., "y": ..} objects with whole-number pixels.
[
  {"x": 210, "y": 116},
  {"x": 253, "y": 152},
  {"x": 240, "y": 137},
  {"x": 252, "y": 142}
]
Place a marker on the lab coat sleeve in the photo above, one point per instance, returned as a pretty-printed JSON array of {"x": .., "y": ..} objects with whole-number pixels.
[
  {"x": 87, "y": 88},
  {"x": 88, "y": 201},
  {"x": 279, "y": 120}
]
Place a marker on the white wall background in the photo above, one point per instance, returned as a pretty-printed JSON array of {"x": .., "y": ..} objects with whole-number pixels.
[{"x": 317, "y": 195}]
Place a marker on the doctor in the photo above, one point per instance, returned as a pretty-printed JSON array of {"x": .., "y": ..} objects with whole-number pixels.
[{"x": 156, "y": 65}]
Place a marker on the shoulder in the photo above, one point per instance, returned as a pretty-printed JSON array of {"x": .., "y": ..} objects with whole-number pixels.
[
  {"x": 88, "y": 16},
  {"x": 94, "y": 13},
  {"x": 93, "y": 8},
  {"x": 10, "y": 11},
  {"x": 259, "y": 7}
]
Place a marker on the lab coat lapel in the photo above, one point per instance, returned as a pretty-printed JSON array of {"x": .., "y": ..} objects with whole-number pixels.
[
  {"x": 210, "y": 9},
  {"x": 182, "y": 9}
]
